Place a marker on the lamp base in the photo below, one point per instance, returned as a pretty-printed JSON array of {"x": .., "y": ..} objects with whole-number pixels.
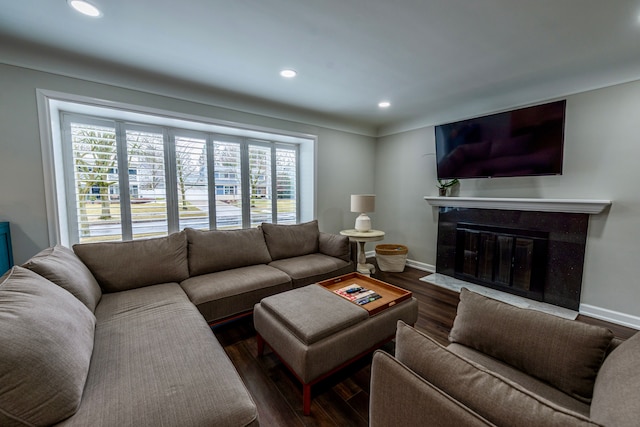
[{"x": 363, "y": 222}]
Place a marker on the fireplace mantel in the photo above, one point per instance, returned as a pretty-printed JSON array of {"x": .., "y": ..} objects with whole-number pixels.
[{"x": 586, "y": 206}]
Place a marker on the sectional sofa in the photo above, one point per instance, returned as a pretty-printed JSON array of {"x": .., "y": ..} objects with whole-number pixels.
[
  {"x": 507, "y": 366},
  {"x": 119, "y": 333}
]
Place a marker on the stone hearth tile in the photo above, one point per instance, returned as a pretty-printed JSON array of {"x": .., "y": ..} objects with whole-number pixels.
[{"x": 454, "y": 284}]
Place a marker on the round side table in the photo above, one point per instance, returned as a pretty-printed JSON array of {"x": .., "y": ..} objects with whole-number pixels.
[{"x": 363, "y": 237}]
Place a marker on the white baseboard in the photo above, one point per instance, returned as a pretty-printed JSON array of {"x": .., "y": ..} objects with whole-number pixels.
[
  {"x": 421, "y": 266},
  {"x": 411, "y": 263},
  {"x": 610, "y": 316},
  {"x": 456, "y": 285}
]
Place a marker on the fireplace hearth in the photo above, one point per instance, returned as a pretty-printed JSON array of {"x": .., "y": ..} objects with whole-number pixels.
[{"x": 538, "y": 255}]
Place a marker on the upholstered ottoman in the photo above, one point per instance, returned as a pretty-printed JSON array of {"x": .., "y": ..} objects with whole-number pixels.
[{"x": 316, "y": 332}]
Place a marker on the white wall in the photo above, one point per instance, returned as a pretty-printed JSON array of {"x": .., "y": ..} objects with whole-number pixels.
[
  {"x": 347, "y": 167},
  {"x": 344, "y": 163},
  {"x": 405, "y": 173},
  {"x": 601, "y": 161}
]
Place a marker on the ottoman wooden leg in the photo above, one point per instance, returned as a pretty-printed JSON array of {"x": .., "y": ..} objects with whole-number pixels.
[
  {"x": 260, "y": 341},
  {"x": 306, "y": 399}
]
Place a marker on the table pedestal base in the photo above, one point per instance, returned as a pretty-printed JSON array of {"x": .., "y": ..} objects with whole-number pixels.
[
  {"x": 363, "y": 237},
  {"x": 366, "y": 269},
  {"x": 363, "y": 267}
]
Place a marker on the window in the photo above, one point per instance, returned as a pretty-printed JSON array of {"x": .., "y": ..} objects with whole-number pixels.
[{"x": 123, "y": 179}]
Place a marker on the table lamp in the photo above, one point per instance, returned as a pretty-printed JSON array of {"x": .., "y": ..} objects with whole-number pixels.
[{"x": 363, "y": 203}]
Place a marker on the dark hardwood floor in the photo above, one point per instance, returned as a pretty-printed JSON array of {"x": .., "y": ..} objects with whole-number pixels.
[{"x": 342, "y": 399}]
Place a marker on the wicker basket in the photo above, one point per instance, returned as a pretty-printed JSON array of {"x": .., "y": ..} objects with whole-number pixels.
[{"x": 391, "y": 258}]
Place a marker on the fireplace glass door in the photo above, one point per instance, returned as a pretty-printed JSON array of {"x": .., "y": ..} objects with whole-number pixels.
[{"x": 502, "y": 258}]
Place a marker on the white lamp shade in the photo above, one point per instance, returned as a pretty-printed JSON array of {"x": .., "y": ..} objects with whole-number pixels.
[{"x": 363, "y": 203}]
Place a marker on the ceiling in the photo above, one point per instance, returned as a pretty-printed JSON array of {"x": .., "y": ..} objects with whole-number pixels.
[{"x": 423, "y": 56}]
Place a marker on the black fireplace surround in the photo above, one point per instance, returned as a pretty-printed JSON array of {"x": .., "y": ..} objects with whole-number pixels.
[{"x": 538, "y": 255}]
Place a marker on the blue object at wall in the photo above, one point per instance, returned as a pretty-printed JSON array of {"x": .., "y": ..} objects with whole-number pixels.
[{"x": 6, "y": 253}]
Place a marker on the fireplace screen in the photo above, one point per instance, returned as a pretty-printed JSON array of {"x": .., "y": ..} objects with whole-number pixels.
[{"x": 502, "y": 258}]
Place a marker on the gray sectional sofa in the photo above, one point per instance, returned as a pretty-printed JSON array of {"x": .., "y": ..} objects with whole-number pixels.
[
  {"x": 507, "y": 366},
  {"x": 118, "y": 333}
]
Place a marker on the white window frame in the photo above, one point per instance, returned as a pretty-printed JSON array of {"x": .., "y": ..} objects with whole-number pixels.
[{"x": 51, "y": 103}]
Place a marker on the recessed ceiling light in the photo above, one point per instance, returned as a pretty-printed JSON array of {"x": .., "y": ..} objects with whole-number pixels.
[
  {"x": 384, "y": 104},
  {"x": 85, "y": 8},
  {"x": 288, "y": 73}
]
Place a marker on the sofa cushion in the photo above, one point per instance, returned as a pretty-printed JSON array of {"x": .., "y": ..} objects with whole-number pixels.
[
  {"x": 46, "y": 342},
  {"x": 63, "y": 267},
  {"x": 565, "y": 353},
  {"x": 286, "y": 241},
  {"x": 211, "y": 251},
  {"x": 335, "y": 245},
  {"x": 307, "y": 269},
  {"x": 230, "y": 292},
  {"x": 531, "y": 383},
  {"x": 157, "y": 363},
  {"x": 492, "y": 396},
  {"x": 615, "y": 400},
  {"x": 119, "y": 266}
]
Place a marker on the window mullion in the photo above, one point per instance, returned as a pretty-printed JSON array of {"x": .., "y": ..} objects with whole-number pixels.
[
  {"x": 211, "y": 184},
  {"x": 274, "y": 185},
  {"x": 170, "y": 172},
  {"x": 123, "y": 181},
  {"x": 245, "y": 184},
  {"x": 297, "y": 176}
]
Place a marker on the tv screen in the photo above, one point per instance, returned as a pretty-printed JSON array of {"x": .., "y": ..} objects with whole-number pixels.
[{"x": 523, "y": 142}]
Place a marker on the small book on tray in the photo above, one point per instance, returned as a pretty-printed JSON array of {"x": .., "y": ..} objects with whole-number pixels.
[{"x": 357, "y": 294}]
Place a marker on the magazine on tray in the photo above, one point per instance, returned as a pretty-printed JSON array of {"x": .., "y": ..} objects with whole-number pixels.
[{"x": 357, "y": 294}]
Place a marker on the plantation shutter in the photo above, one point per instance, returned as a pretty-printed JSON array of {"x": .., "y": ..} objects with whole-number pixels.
[
  {"x": 192, "y": 182},
  {"x": 228, "y": 184},
  {"x": 260, "y": 184},
  {"x": 147, "y": 183},
  {"x": 287, "y": 185},
  {"x": 95, "y": 206}
]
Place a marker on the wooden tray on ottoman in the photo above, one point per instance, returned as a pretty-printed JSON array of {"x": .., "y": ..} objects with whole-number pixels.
[{"x": 391, "y": 295}]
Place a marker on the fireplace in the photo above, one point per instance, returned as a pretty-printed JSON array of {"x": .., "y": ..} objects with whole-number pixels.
[{"x": 538, "y": 255}]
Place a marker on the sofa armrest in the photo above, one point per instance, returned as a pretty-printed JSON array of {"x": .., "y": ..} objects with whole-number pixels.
[
  {"x": 399, "y": 397},
  {"x": 335, "y": 245}
]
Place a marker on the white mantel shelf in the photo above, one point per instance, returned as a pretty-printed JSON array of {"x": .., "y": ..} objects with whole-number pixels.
[{"x": 520, "y": 204}]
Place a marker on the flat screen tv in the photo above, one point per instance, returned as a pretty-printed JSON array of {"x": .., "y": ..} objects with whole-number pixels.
[{"x": 524, "y": 142}]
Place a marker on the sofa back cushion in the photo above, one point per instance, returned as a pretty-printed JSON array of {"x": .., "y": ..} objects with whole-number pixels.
[
  {"x": 565, "y": 353},
  {"x": 615, "y": 398},
  {"x": 490, "y": 395},
  {"x": 335, "y": 245},
  {"x": 120, "y": 266},
  {"x": 46, "y": 341},
  {"x": 287, "y": 241},
  {"x": 211, "y": 251},
  {"x": 63, "y": 267}
]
